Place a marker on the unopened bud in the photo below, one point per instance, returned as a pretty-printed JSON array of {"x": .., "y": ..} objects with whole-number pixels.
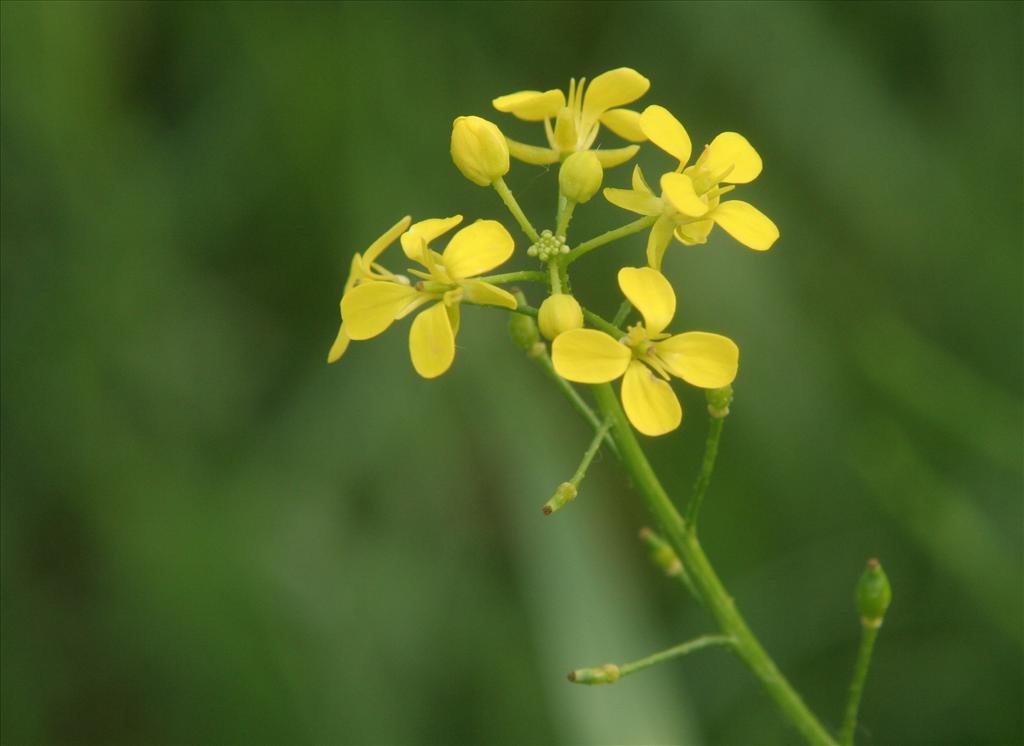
[
  {"x": 523, "y": 330},
  {"x": 580, "y": 176},
  {"x": 719, "y": 401},
  {"x": 559, "y": 313},
  {"x": 662, "y": 554},
  {"x": 873, "y": 594},
  {"x": 479, "y": 150},
  {"x": 564, "y": 495},
  {"x": 606, "y": 674}
]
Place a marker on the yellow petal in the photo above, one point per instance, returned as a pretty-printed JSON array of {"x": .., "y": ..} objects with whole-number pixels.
[
  {"x": 531, "y": 153},
  {"x": 730, "y": 152},
  {"x": 616, "y": 156},
  {"x": 639, "y": 182},
  {"x": 706, "y": 360},
  {"x": 339, "y": 346},
  {"x": 613, "y": 88},
  {"x": 478, "y": 291},
  {"x": 638, "y": 202},
  {"x": 746, "y": 224},
  {"x": 650, "y": 403},
  {"x": 531, "y": 106},
  {"x": 431, "y": 342},
  {"x": 589, "y": 356},
  {"x": 369, "y": 309},
  {"x": 625, "y": 123},
  {"x": 658, "y": 241},
  {"x": 477, "y": 248},
  {"x": 651, "y": 294},
  {"x": 678, "y": 190},
  {"x": 378, "y": 246},
  {"x": 428, "y": 230},
  {"x": 694, "y": 233},
  {"x": 667, "y": 132}
]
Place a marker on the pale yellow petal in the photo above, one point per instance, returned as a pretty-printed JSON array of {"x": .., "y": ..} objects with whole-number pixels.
[
  {"x": 658, "y": 240},
  {"x": 589, "y": 356},
  {"x": 477, "y": 248},
  {"x": 638, "y": 202},
  {"x": 378, "y": 246},
  {"x": 531, "y": 153},
  {"x": 431, "y": 342},
  {"x": 746, "y": 224},
  {"x": 613, "y": 88},
  {"x": 369, "y": 309},
  {"x": 699, "y": 358},
  {"x": 531, "y": 106},
  {"x": 678, "y": 190},
  {"x": 667, "y": 132},
  {"x": 649, "y": 401},
  {"x": 339, "y": 346},
  {"x": 732, "y": 155},
  {"x": 651, "y": 294},
  {"x": 625, "y": 123},
  {"x": 616, "y": 156},
  {"x": 478, "y": 291},
  {"x": 639, "y": 182},
  {"x": 428, "y": 230},
  {"x": 694, "y": 233}
]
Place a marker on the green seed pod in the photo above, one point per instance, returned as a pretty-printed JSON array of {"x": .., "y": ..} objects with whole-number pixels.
[
  {"x": 580, "y": 176},
  {"x": 873, "y": 594}
]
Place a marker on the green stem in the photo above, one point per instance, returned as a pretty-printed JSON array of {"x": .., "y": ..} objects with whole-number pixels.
[
  {"x": 599, "y": 323},
  {"x": 563, "y": 215},
  {"x": 581, "y": 470},
  {"x": 513, "y": 207},
  {"x": 622, "y": 313},
  {"x": 704, "y": 478},
  {"x": 860, "y": 671},
  {"x": 503, "y": 279},
  {"x": 626, "y": 230},
  {"x": 717, "y": 599},
  {"x": 554, "y": 277},
  {"x": 699, "y": 643},
  {"x": 577, "y": 401}
]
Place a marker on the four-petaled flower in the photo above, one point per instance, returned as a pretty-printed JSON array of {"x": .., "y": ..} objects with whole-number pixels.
[
  {"x": 578, "y": 117},
  {"x": 447, "y": 278},
  {"x": 690, "y": 202},
  {"x": 646, "y": 356}
]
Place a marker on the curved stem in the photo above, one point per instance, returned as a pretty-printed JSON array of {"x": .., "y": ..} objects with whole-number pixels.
[
  {"x": 685, "y": 648},
  {"x": 860, "y": 671},
  {"x": 507, "y": 277},
  {"x": 718, "y": 601},
  {"x": 513, "y": 207},
  {"x": 708, "y": 466},
  {"x": 601, "y": 324},
  {"x": 626, "y": 230}
]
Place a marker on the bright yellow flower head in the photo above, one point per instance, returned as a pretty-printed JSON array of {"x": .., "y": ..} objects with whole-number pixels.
[
  {"x": 646, "y": 357},
  {"x": 690, "y": 202},
  {"x": 447, "y": 278},
  {"x": 365, "y": 269},
  {"x": 578, "y": 117}
]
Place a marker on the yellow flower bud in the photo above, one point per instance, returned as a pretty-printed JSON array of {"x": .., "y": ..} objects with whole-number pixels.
[
  {"x": 559, "y": 313},
  {"x": 479, "y": 150},
  {"x": 580, "y": 176}
]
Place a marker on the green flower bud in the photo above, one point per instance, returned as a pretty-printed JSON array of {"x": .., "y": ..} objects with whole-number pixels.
[
  {"x": 559, "y": 313},
  {"x": 523, "y": 330},
  {"x": 873, "y": 594},
  {"x": 479, "y": 150},
  {"x": 580, "y": 176},
  {"x": 606, "y": 674},
  {"x": 564, "y": 495}
]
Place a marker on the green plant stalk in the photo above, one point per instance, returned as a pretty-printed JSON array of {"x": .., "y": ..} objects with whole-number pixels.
[
  {"x": 707, "y": 467},
  {"x": 626, "y": 230},
  {"x": 717, "y": 599},
  {"x": 513, "y": 207},
  {"x": 563, "y": 215},
  {"x": 507, "y": 277},
  {"x": 676, "y": 651},
  {"x": 577, "y": 402},
  {"x": 860, "y": 672}
]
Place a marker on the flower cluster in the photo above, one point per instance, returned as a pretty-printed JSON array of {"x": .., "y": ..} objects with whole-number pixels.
[{"x": 688, "y": 204}]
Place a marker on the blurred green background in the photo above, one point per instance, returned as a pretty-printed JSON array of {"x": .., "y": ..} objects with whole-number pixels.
[{"x": 208, "y": 535}]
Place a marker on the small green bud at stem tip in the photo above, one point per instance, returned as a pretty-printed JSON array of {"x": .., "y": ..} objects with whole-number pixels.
[
  {"x": 873, "y": 594},
  {"x": 564, "y": 495},
  {"x": 719, "y": 401},
  {"x": 606, "y": 674}
]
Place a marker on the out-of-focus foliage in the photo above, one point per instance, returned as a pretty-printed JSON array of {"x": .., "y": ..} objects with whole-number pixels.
[{"x": 210, "y": 536}]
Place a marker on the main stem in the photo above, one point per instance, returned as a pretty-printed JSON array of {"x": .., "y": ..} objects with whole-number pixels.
[{"x": 703, "y": 575}]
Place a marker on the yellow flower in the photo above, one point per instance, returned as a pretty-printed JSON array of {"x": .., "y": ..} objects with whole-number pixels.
[
  {"x": 362, "y": 270},
  {"x": 447, "y": 278},
  {"x": 578, "y": 117},
  {"x": 479, "y": 150},
  {"x": 646, "y": 357},
  {"x": 690, "y": 202}
]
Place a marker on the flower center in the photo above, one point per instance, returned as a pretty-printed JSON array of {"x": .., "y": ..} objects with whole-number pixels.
[{"x": 639, "y": 342}]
